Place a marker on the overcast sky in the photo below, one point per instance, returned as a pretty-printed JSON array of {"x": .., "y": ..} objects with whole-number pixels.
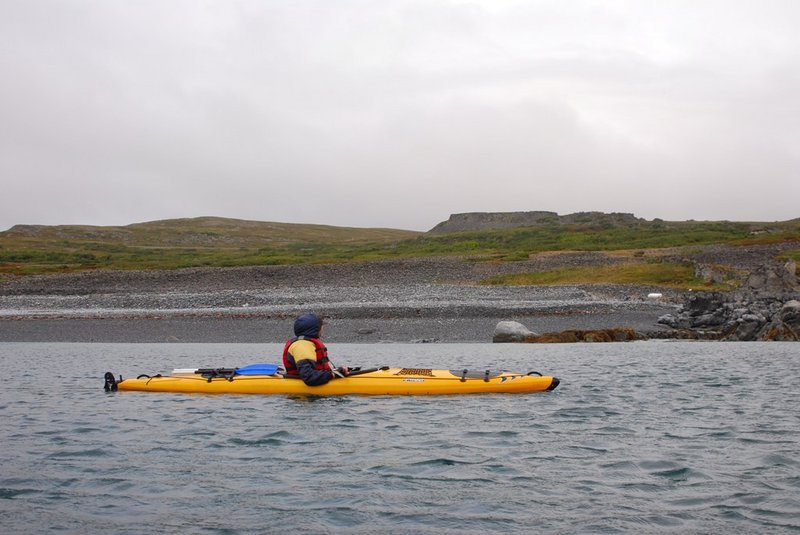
[{"x": 397, "y": 113}]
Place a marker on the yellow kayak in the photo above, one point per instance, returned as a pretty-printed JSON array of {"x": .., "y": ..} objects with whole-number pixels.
[{"x": 375, "y": 381}]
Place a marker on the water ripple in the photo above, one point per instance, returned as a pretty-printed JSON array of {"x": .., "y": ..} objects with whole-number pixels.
[{"x": 643, "y": 438}]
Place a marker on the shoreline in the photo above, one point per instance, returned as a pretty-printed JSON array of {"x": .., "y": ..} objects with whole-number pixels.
[
  {"x": 411, "y": 300},
  {"x": 271, "y": 330},
  {"x": 426, "y": 314}
]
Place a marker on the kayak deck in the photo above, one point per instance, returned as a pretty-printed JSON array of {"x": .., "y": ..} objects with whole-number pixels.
[{"x": 384, "y": 381}]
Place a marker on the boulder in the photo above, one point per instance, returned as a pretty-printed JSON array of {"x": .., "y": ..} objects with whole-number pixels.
[
  {"x": 772, "y": 280},
  {"x": 744, "y": 331},
  {"x": 787, "y": 325},
  {"x": 704, "y": 303},
  {"x": 709, "y": 274},
  {"x": 511, "y": 331},
  {"x": 669, "y": 320},
  {"x": 790, "y": 313},
  {"x": 790, "y": 269},
  {"x": 777, "y": 331}
]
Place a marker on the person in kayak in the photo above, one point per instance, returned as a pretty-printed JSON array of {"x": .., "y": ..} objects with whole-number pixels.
[{"x": 306, "y": 356}]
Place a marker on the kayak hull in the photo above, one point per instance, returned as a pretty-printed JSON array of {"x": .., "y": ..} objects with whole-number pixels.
[{"x": 391, "y": 381}]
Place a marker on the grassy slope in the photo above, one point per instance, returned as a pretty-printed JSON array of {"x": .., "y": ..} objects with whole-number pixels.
[
  {"x": 169, "y": 244},
  {"x": 662, "y": 275},
  {"x": 220, "y": 242},
  {"x": 643, "y": 235},
  {"x": 632, "y": 241}
]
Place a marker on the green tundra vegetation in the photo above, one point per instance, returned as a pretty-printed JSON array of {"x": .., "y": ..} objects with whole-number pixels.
[
  {"x": 220, "y": 242},
  {"x": 180, "y": 243},
  {"x": 661, "y": 274}
]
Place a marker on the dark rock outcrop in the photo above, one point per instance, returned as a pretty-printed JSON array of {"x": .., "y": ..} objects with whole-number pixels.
[{"x": 766, "y": 308}]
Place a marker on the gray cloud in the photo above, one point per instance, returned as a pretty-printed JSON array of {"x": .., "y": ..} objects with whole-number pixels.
[{"x": 397, "y": 114}]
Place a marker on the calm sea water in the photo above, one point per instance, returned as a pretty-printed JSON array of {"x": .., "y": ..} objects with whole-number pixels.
[{"x": 646, "y": 437}]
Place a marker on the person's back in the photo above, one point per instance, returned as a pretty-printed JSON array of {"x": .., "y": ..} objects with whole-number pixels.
[{"x": 305, "y": 355}]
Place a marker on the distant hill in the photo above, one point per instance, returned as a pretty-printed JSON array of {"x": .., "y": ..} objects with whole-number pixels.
[
  {"x": 221, "y": 242},
  {"x": 205, "y": 232},
  {"x": 478, "y": 221}
]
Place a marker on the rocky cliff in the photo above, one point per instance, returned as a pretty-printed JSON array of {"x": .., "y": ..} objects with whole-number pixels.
[{"x": 477, "y": 221}]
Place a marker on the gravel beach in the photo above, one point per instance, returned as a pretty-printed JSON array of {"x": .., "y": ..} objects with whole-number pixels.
[{"x": 421, "y": 300}]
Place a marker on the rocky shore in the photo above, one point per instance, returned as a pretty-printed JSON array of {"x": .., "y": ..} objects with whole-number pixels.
[
  {"x": 417, "y": 300},
  {"x": 421, "y": 300},
  {"x": 766, "y": 307}
]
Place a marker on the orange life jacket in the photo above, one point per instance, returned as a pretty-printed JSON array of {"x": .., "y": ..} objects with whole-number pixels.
[{"x": 322, "y": 355}]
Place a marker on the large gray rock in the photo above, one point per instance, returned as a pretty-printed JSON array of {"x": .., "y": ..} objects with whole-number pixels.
[
  {"x": 670, "y": 320},
  {"x": 746, "y": 330},
  {"x": 704, "y": 304},
  {"x": 791, "y": 268},
  {"x": 790, "y": 315},
  {"x": 709, "y": 274},
  {"x": 772, "y": 280},
  {"x": 511, "y": 331}
]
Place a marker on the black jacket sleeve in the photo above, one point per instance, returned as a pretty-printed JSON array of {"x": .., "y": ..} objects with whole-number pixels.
[{"x": 312, "y": 376}]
